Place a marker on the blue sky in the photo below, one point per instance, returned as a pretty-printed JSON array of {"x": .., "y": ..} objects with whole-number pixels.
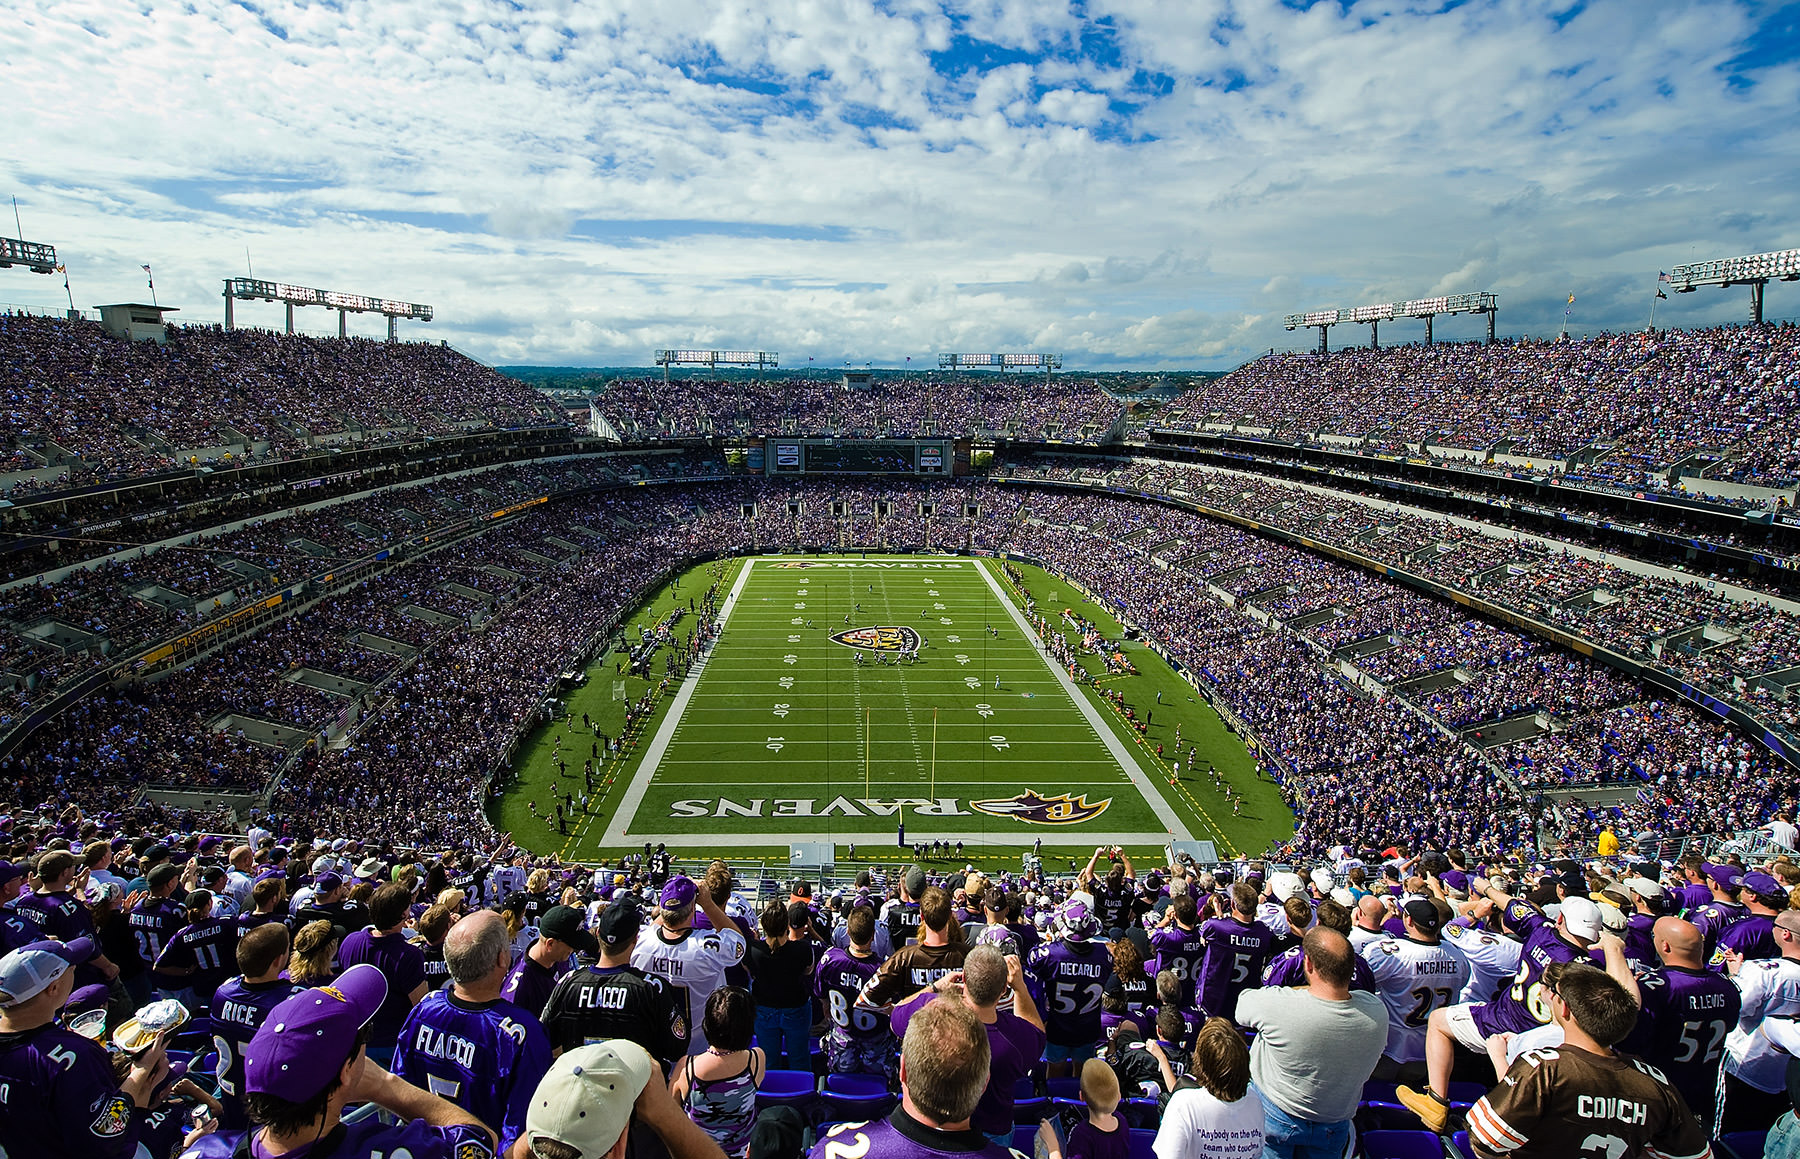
[{"x": 1131, "y": 183}]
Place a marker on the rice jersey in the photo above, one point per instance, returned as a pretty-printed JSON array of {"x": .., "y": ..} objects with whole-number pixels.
[
  {"x": 1413, "y": 978},
  {"x": 238, "y": 1010}
]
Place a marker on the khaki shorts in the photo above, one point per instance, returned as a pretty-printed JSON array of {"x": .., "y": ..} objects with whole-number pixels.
[{"x": 1461, "y": 1025}]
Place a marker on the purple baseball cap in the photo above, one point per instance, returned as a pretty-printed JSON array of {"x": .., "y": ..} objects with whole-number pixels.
[
  {"x": 306, "y": 1040},
  {"x": 8, "y": 871},
  {"x": 1728, "y": 876},
  {"x": 1455, "y": 879},
  {"x": 1762, "y": 883},
  {"x": 679, "y": 893},
  {"x": 327, "y": 881}
]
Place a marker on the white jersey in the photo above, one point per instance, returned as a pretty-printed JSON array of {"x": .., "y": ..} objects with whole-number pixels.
[
  {"x": 693, "y": 963},
  {"x": 506, "y": 879},
  {"x": 1361, "y": 939},
  {"x": 1492, "y": 959},
  {"x": 1273, "y": 916},
  {"x": 1413, "y": 979},
  {"x": 1770, "y": 988}
]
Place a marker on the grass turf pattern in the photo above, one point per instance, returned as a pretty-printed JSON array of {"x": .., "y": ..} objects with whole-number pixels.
[{"x": 782, "y": 736}]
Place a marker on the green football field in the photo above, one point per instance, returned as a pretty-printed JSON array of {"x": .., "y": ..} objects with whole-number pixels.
[{"x": 781, "y": 736}]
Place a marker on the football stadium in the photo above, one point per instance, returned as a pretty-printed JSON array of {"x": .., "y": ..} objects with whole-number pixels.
[{"x": 1075, "y": 692}]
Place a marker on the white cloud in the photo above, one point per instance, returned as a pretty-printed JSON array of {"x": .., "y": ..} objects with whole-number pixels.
[{"x": 982, "y": 164}]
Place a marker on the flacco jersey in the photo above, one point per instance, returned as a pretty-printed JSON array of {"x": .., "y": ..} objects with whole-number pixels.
[
  {"x": 597, "y": 1003},
  {"x": 1236, "y": 953},
  {"x": 1413, "y": 979},
  {"x": 483, "y": 1056}
]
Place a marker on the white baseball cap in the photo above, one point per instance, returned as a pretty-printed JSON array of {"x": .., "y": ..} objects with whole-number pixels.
[
  {"x": 586, "y": 1097},
  {"x": 1581, "y": 917}
]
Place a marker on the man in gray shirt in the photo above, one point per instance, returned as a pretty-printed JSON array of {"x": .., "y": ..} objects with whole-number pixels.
[{"x": 1315, "y": 1047}]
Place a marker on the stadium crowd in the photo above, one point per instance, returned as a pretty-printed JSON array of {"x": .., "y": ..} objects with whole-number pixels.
[
  {"x": 1621, "y": 409},
  {"x": 178, "y": 993},
  {"x": 98, "y": 407}
]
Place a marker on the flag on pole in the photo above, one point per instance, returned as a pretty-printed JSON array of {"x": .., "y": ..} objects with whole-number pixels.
[
  {"x": 1662, "y": 295},
  {"x": 1664, "y": 277}
]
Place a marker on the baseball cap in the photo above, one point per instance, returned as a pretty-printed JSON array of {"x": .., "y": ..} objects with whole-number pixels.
[
  {"x": 1285, "y": 885},
  {"x": 563, "y": 923},
  {"x": 326, "y": 882},
  {"x": 1455, "y": 880},
  {"x": 323, "y": 862},
  {"x": 306, "y": 1040},
  {"x": 162, "y": 875},
  {"x": 29, "y": 970},
  {"x": 1762, "y": 883},
  {"x": 618, "y": 925},
  {"x": 585, "y": 1099},
  {"x": 1424, "y": 915},
  {"x": 1728, "y": 876},
  {"x": 678, "y": 894},
  {"x": 9, "y": 871},
  {"x": 1581, "y": 917},
  {"x": 914, "y": 882},
  {"x": 208, "y": 843},
  {"x": 1643, "y": 887},
  {"x": 1344, "y": 896}
]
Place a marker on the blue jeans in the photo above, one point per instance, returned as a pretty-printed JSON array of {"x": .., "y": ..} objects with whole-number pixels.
[
  {"x": 781, "y": 1032},
  {"x": 1285, "y": 1137}
]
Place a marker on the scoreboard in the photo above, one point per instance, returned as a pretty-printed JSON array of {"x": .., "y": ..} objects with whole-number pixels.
[{"x": 797, "y": 456}]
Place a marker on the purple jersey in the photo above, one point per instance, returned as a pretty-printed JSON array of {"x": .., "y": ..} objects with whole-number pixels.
[
  {"x": 153, "y": 925},
  {"x": 1714, "y": 918},
  {"x": 1180, "y": 952},
  {"x": 838, "y": 981},
  {"x": 1521, "y": 1005},
  {"x": 1753, "y": 936},
  {"x": 238, "y": 1010},
  {"x": 485, "y": 1057},
  {"x": 367, "y": 1139},
  {"x": 1690, "y": 897},
  {"x": 402, "y": 964},
  {"x": 1073, "y": 975},
  {"x": 1236, "y": 953},
  {"x": 56, "y": 915},
  {"x": 1638, "y": 944},
  {"x": 59, "y": 1099},
  {"x": 529, "y": 985},
  {"x": 900, "y": 1136},
  {"x": 1287, "y": 969},
  {"x": 209, "y": 949},
  {"x": 1681, "y": 1029}
]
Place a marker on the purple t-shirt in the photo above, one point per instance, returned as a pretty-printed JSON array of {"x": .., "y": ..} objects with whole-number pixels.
[
  {"x": 1015, "y": 1045},
  {"x": 1073, "y": 975},
  {"x": 1087, "y": 1141},
  {"x": 401, "y": 963},
  {"x": 368, "y": 1139},
  {"x": 1236, "y": 953}
]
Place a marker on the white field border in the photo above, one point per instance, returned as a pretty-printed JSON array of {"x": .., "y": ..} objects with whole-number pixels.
[{"x": 618, "y": 827}]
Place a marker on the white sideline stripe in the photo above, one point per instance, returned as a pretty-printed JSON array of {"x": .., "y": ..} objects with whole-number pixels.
[
  {"x": 647, "y": 764},
  {"x": 1113, "y": 745}
]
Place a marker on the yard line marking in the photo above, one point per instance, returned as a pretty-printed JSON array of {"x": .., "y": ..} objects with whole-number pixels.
[
  {"x": 617, "y": 827},
  {"x": 1155, "y": 800}
]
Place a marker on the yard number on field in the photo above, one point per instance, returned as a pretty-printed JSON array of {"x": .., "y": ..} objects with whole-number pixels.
[
  {"x": 774, "y": 744},
  {"x": 984, "y": 710},
  {"x": 999, "y": 742}
]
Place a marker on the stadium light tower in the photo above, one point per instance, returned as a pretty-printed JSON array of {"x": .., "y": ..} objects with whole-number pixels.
[
  {"x": 1755, "y": 271},
  {"x": 252, "y": 289},
  {"x": 713, "y": 359},
  {"x": 34, "y": 256},
  {"x": 1004, "y": 362},
  {"x": 1373, "y": 316}
]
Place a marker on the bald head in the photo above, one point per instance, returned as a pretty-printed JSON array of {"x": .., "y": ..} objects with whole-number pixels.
[
  {"x": 477, "y": 948},
  {"x": 1369, "y": 912},
  {"x": 1678, "y": 943}
]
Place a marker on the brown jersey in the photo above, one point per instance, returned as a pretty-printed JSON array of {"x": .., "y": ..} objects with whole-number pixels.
[
  {"x": 909, "y": 970},
  {"x": 1564, "y": 1103}
]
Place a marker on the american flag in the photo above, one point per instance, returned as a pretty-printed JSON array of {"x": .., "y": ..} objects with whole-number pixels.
[{"x": 1663, "y": 277}]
